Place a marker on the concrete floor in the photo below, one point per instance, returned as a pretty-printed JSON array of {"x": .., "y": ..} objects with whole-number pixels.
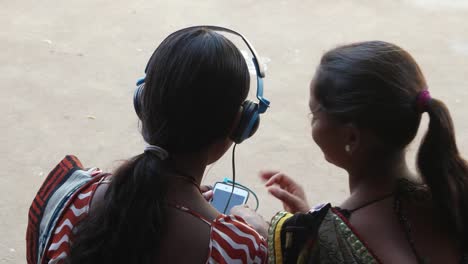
[{"x": 68, "y": 70}]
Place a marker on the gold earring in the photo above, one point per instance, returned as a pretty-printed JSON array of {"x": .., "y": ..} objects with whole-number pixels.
[{"x": 347, "y": 148}]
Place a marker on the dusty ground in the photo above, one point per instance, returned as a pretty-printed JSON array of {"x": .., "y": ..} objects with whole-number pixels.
[{"x": 68, "y": 69}]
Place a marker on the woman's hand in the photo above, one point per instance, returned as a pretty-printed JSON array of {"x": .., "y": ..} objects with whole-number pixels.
[
  {"x": 207, "y": 192},
  {"x": 287, "y": 190},
  {"x": 252, "y": 218}
]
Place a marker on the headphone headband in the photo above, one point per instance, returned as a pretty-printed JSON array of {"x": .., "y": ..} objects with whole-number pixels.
[
  {"x": 250, "y": 115},
  {"x": 263, "y": 102},
  {"x": 258, "y": 68}
]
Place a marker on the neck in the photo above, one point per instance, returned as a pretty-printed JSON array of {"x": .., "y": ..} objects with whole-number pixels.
[
  {"x": 192, "y": 165},
  {"x": 187, "y": 173},
  {"x": 378, "y": 175}
]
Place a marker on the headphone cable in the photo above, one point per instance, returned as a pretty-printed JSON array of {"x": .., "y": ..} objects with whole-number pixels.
[{"x": 233, "y": 178}]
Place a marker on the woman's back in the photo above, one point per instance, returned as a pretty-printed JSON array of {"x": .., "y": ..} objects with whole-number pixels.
[
  {"x": 187, "y": 239},
  {"x": 223, "y": 239},
  {"x": 203, "y": 235},
  {"x": 386, "y": 235}
]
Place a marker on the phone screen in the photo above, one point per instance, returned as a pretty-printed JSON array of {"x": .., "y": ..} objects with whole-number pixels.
[{"x": 221, "y": 197}]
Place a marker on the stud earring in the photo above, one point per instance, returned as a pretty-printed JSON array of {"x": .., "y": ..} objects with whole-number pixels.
[{"x": 347, "y": 148}]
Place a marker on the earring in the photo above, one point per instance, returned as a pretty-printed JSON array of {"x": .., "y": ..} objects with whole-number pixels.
[{"x": 347, "y": 148}]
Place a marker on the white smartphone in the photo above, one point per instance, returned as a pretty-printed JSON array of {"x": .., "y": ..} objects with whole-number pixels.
[{"x": 221, "y": 193}]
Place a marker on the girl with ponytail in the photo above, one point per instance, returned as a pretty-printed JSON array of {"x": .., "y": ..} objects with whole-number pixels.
[
  {"x": 367, "y": 100},
  {"x": 151, "y": 210}
]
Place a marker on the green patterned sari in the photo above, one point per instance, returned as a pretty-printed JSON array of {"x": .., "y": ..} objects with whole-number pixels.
[{"x": 321, "y": 236}]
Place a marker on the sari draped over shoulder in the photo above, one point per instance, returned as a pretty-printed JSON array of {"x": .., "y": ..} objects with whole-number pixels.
[
  {"x": 322, "y": 235},
  {"x": 60, "y": 204}
]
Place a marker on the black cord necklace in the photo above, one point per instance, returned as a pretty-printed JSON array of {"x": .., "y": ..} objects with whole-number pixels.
[
  {"x": 403, "y": 219},
  {"x": 378, "y": 199},
  {"x": 187, "y": 178},
  {"x": 404, "y": 222}
]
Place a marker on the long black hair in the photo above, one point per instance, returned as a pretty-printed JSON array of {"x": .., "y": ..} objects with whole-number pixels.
[
  {"x": 196, "y": 82},
  {"x": 375, "y": 85}
]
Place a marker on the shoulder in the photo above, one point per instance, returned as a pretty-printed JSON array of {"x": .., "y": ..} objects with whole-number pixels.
[
  {"x": 290, "y": 233},
  {"x": 238, "y": 229},
  {"x": 233, "y": 239},
  {"x": 309, "y": 221}
]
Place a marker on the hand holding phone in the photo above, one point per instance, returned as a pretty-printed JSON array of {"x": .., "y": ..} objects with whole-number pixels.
[
  {"x": 207, "y": 192},
  {"x": 221, "y": 193},
  {"x": 254, "y": 219}
]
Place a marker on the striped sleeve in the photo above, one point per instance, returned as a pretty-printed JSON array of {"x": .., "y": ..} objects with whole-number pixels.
[
  {"x": 234, "y": 241},
  {"x": 59, "y": 248}
]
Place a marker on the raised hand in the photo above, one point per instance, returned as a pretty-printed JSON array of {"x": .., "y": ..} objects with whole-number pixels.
[{"x": 287, "y": 190}]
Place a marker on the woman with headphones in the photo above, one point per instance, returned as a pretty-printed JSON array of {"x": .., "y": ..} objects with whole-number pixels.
[{"x": 192, "y": 108}]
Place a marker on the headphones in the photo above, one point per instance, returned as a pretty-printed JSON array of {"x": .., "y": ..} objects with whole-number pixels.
[{"x": 250, "y": 117}]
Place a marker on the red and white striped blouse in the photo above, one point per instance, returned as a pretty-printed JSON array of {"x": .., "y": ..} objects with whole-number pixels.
[
  {"x": 232, "y": 240},
  {"x": 59, "y": 248}
]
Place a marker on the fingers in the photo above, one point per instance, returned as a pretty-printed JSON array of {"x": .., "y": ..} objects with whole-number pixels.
[
  {"x": 289, "y": 200},
  {"x": 208, "y": 195},
  {"x": 207, "y": 192},
  {"x": 283, "y": 195},
  {"x": 281, "y": 179},
  {"x": 205, "y": 188},
  {"x": 235, "y": 209},
  {"x": 240, "y": 210},
  {"x": 267, "y": 174}
]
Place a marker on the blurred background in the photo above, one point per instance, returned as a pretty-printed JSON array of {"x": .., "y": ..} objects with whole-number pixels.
[{"x": 68, "y": 70}]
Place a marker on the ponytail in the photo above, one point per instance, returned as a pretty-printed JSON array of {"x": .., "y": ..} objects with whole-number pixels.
[
  {"x": 175, "y": 107},
  {"x": 129, "y": 225},
  {"x": 444, "y": 170}
]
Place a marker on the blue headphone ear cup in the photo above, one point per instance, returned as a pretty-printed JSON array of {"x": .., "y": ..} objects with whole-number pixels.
[
  {"x": 255, "y": 125},
  {"x": 248, "y": 122},
  {"x": 137, "y": 99}
]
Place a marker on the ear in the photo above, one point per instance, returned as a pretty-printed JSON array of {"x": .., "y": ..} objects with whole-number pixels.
[{"x": 352, "y": 138}]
